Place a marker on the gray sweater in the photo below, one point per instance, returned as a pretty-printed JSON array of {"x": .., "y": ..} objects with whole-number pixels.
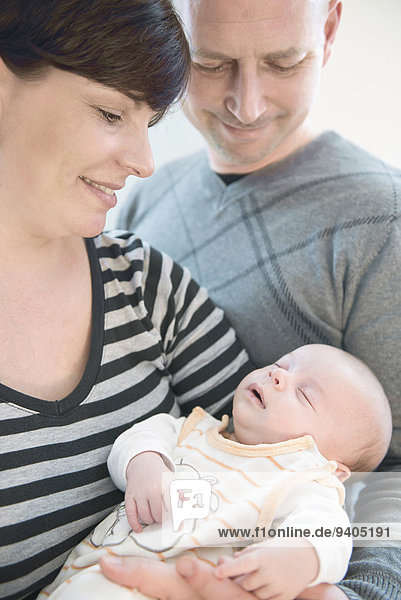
[{"x": 307, "y": 250}]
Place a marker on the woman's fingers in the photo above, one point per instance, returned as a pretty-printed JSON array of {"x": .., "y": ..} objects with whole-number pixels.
[
  {"x": 192, "y": 579},
  {"x": 151, "y": 577},
  {"x": 200, "y": 577}
]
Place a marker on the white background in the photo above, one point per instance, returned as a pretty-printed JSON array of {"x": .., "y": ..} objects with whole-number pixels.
[{"x": 360, "y": 94}]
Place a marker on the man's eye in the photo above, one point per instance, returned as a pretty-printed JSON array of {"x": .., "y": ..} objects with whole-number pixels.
[
  {"x": 210, "y": 68},
  {"x": 285, "y": 70},
  {"x": 108, "y": 116}
]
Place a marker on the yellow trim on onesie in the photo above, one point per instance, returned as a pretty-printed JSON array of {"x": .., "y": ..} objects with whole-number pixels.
[
  {"x": 191, "y": 422},
  {"x": 217, "y": 440}
]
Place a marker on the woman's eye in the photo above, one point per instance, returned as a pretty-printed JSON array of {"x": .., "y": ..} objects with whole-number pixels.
[{"x": 108, "y": 116}]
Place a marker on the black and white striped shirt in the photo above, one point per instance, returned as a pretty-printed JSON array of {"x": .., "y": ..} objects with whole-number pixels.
[{"x": 158, "y": 345}]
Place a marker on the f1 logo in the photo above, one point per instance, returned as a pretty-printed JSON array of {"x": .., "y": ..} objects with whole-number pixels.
[{"x": 190, "y": 499}]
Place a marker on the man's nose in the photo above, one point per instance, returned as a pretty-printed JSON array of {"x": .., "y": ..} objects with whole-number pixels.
[{"x": 246, "y": 99}]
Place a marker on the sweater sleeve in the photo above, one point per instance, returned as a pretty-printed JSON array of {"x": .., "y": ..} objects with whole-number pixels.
[
  {"x": 371, "y": 333},
  {"x": 202, "y": 355},
  {"x": 373, "y": 574},
  {"x": 372, "y": 311},
  {"x": 374, "y": 571},
  {"x": 156, "y": 434}
]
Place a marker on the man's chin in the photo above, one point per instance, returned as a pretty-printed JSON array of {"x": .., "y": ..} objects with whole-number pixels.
[{"x": 227, "y": 156}]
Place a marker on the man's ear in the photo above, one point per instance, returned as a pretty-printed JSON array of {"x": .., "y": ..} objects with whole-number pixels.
[
  {"x": 331, "y": 27},
  {"x": 342, "y": 472}
]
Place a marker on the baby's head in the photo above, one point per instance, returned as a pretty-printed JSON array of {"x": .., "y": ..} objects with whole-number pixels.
[{"x": 322, "y": 391}]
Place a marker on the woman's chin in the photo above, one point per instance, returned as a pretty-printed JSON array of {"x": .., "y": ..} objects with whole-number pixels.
[{"x": 93, "y": 228}]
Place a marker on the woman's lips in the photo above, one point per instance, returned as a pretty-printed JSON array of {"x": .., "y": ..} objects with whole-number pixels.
[
  {"x": 100, "y": 186},
  {"x": 104, "y": 193}
]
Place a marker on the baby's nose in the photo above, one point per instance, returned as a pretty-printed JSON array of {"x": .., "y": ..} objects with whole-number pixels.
[{"x": 277, "y": 375}]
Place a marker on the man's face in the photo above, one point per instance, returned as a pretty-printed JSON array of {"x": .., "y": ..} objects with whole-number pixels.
[{"x": 255, "y": 74}]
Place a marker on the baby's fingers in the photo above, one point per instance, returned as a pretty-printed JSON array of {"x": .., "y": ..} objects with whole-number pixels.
[
  {"x": 238, "y": 565},
  {"x": 156, "y": 509},
  {"x": 132, "y": 515},
  {"x": 258, "y": 583},
  {"x": 144, "y": 512},
  {"x": 166, "y": 499}
]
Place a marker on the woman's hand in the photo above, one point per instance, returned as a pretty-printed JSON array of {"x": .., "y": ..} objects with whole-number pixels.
[{"x": 191, "y": 580}]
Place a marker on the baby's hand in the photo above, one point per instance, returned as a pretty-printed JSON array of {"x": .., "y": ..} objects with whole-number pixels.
[
  {"x": 144, "y": 492},
  {"x": 271, "y": 572}
]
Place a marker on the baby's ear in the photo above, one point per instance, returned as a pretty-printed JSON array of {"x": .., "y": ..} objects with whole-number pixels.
[{"x": 342, "y": 472}]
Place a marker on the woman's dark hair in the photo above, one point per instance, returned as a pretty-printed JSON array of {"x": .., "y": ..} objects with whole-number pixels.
[{"x": 137, "y": 47}]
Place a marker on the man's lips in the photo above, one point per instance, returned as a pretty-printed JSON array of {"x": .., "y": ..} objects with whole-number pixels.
[
  {"x": 231, "y": 123},
  {"x": 243, "y": 133},
  {"x": 257, "y": 392},
  {"x": 239, "y": 127}
]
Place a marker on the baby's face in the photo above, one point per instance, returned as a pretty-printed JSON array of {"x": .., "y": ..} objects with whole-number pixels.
[{"x": 312, "y": 390}]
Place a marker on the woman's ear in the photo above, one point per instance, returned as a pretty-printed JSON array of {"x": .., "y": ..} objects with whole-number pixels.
[
  {"x": 5, "y": 76},
  {"x": 7, "y": 82},
  {"x": 3, "y": 69},
  {"x": 4, "y": 72},
  {"x": 342, "y": 472}
]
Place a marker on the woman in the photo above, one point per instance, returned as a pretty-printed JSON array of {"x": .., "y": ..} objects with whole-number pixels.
[{"x": 98, "y": 330}]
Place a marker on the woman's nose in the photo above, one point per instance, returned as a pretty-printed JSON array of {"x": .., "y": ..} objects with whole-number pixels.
[
  {"x": 138, "y": 157},
  {"x": 133, "y": 151}
]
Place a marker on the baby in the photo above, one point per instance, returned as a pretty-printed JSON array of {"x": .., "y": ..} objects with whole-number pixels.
[{"x": 300, "y": 426}]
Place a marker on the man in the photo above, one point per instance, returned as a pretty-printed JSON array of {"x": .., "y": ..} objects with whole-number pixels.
[{"x": 295, "y": 234}]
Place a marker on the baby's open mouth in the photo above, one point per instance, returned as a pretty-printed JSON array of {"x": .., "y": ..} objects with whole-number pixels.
[{"x": 258, "y": 395}]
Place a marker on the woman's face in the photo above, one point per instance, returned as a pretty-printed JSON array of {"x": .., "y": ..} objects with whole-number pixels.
[{"x": 66, "y": 145}]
